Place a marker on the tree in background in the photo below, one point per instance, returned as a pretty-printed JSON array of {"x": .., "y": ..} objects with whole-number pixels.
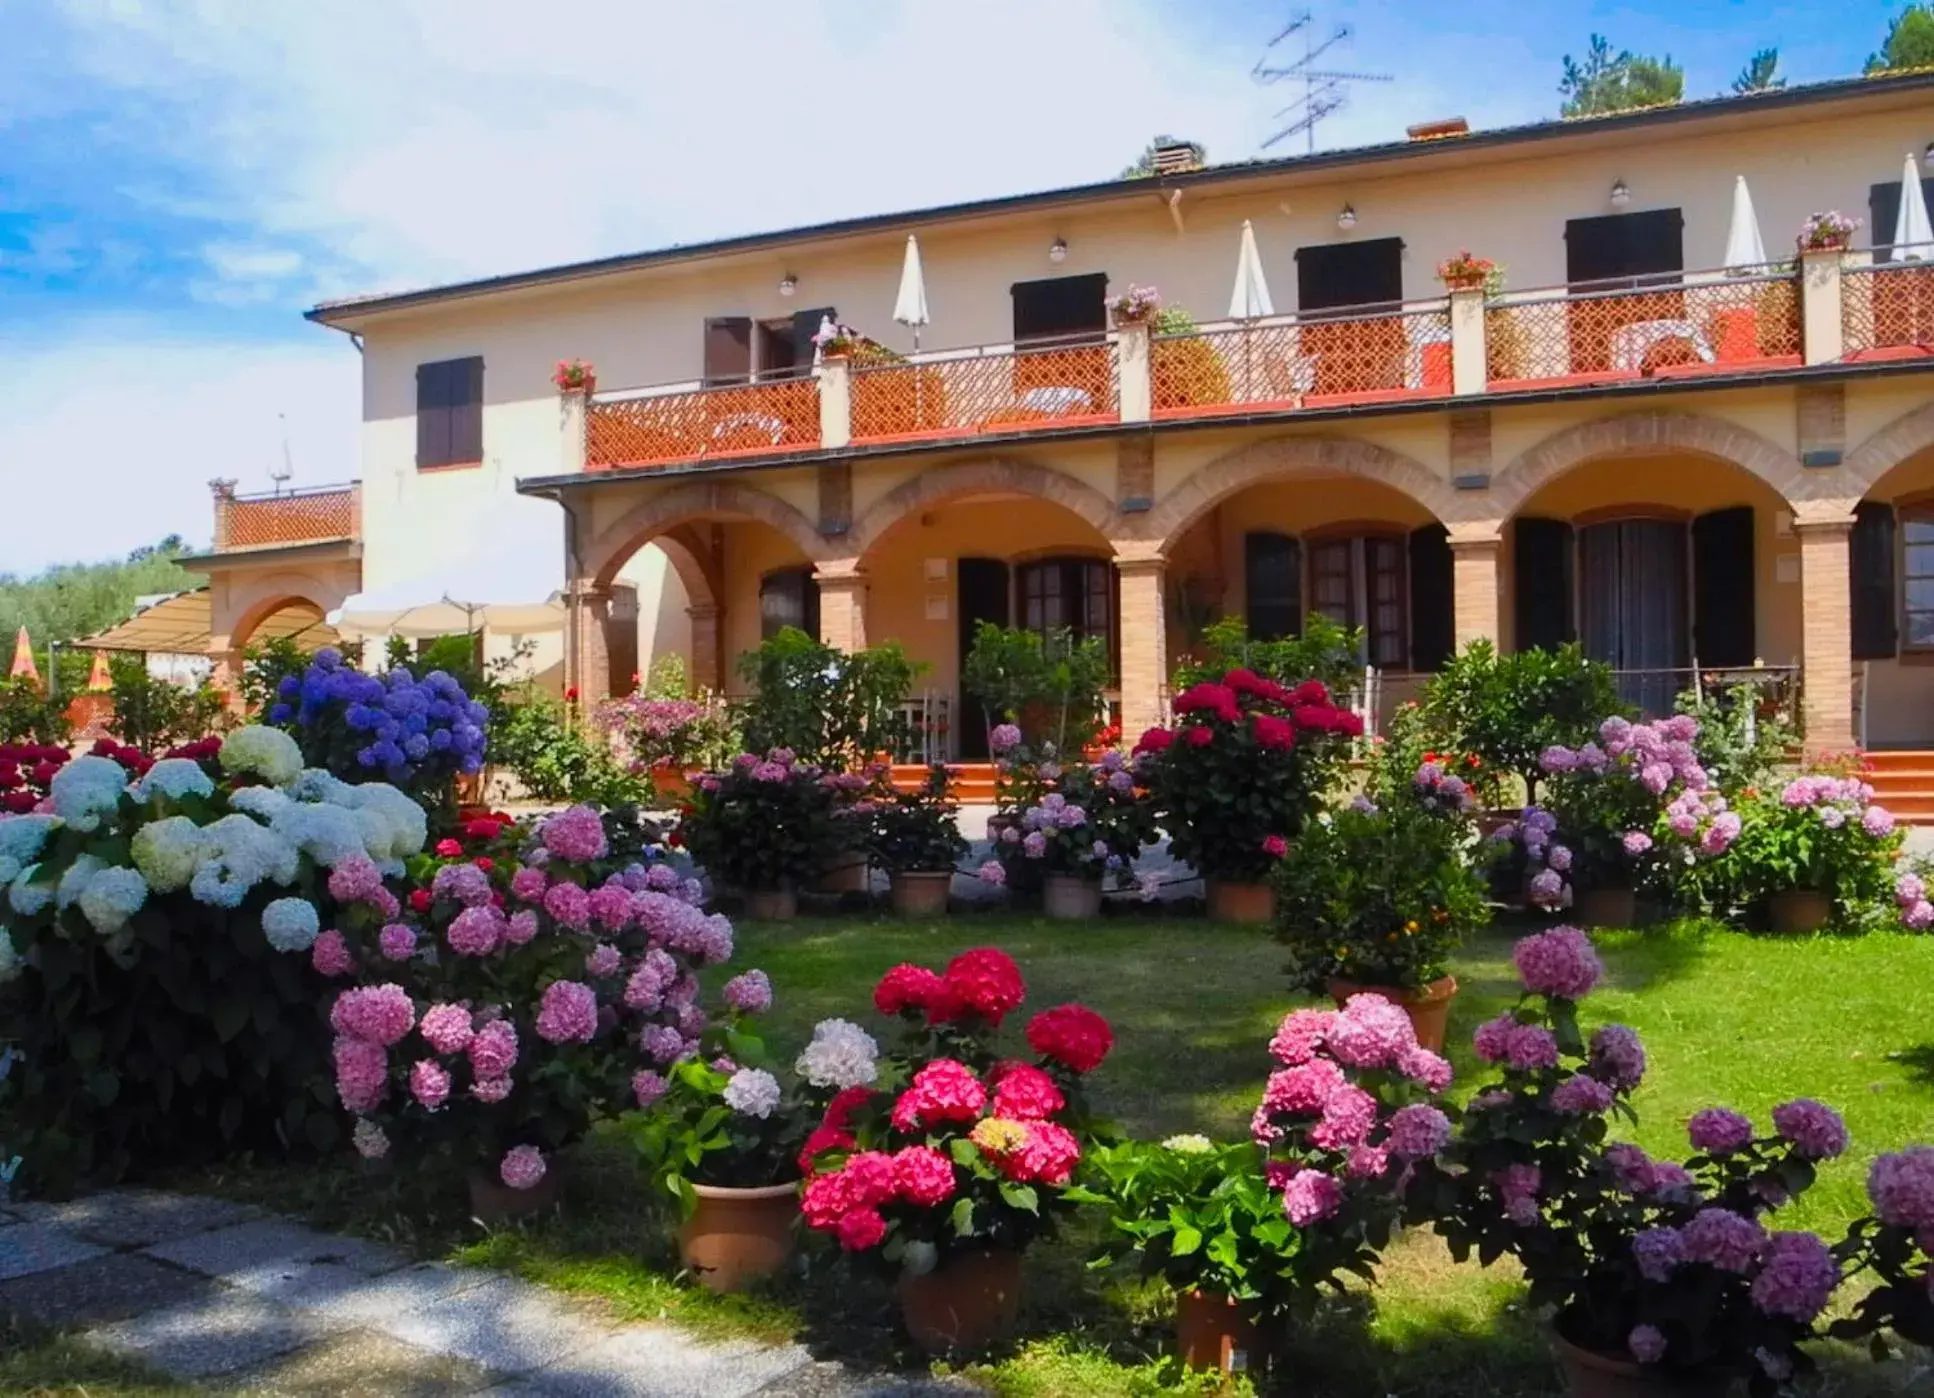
[
  {"x": 71, "y": 600},
  {"x": 1761, "y": 73},
  {"x": 1617, "y": 82},
  {"x": 1909, "y": 42},
  {"x": 1144, "y": 165}
]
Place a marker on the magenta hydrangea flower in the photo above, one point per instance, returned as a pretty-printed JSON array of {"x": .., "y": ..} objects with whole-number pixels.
[
  {"x": 1919, "y": 916},
  {"x": 1492, "y": 1041},
  {"x": 576, "y": 834},
  {"x": 567, "y": 1013},
  {"x": 1531, "y": 1046},
  {"x": 1814, "y": 1129},
  {"x": 1348, "y": 1118},
  {"x": 493, "y": 1050},
  {"x": 1901, "y": 1187},
  {"x": 648, "y": 984},
  {"x": 354, "y": 879},
  {"x": 528, "y": 884},
  {"x": 1300, "y": 1035},
  {"x": 1617, "y": 1057},
  {"x": 1909, "y": 889},
  {"x": 523, "y": 1166},
  {"x": 381, "y": 1014},
  {"x": 603, "y": 960},
  {"x": 1877, "y": 821},
  {"x": 362, "y": 1073},
  {"x": 1418, "y": 1131},
  {"x": 1797, "y": 1277},
  {"x": 1517, "y": 1186},
  {"x": 1311, "y": 1196},
  {"x": 1303, "y": 1090},
  {"x": 465, "y": 883},
  {"x": 647, "y": 1087},
  {"x": 1370, "y": 1033},
  {"x": 1546, "y": 889},
  {"x": 1367, "y": 1163},
  {"x": 1560, "y": 963},
  {"x": 1430, "y": 1070},
  {"x": 520, "y": 928},
  {"x": 570, "y": 905},
  {"x": 446, "y": 1028},
  {"x": 491, "y": 1090},
  {"x": 1717, "y": 1131},
  {"x": 429, "y": 1084},
  {"x": 1636, "y": 843},
  {"x": 397, "y": 941},
  {"x": 476, "y": 931},
  {"x": 661, "y": 1043},
  {"x": 611, "y": 907},
  {"x": 1658, "y": 1251},
  {"x": 1581, "y": 1095},
  {"x": 1631, "y": 1167},
  {"x": 1646, "y": 1343},
  {"x": 330, "y": 954},
  {"x": 1724, "y": 1239},
  {"x": 750, "y": 993}
]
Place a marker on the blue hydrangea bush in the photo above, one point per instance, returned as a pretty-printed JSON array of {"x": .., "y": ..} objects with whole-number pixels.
[
  {"x": 416, "y": 734},
  {"x": 158, "y": 934}
]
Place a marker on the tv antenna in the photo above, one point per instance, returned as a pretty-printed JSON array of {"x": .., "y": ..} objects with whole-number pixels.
[
  {"x": 1323, "y": 89},
  {"x": 281, "y": 475}
]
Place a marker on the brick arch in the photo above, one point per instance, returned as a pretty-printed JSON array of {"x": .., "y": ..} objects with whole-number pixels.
[
  {"x": 1281, "y": 457},
  {"x": 244, "y": 627},
  {"x": 1911, "y": 432},
  {"x": 980, "y": 477},
  {"x": 603, "y": 555},
  {"x": 1631, "y": 433}
]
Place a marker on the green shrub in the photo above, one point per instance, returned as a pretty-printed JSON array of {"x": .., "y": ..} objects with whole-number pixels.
[
  {"x": 829, "y": 708},
  {"x": 1509, "y": 708},
  {"x": 539, "y": 742},
  {"x": 1048, "y": 683},
  {"x": 767, "y": 825},
  {"x": 28, "y": 715},
  {"x": 914, "y": 831},
  {"x": 1326, "y": 651},
  {"x": 154, "y": 714}
]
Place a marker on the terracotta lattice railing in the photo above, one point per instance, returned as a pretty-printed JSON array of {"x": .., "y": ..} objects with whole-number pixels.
[
  {"x": 1888, "y": 307},
  {"x": 742, "y": 419},
  {"x": 1333, "y": 359},
  {"x": 1009, "y": 388},
  {"x": 288, "y": 517}
]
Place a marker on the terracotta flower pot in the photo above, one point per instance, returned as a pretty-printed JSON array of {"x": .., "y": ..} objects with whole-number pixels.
[
  {"x": 771, "y": 904},
  {"x": 1465, "y": 281},
  {"x": 852, "y": 875},
  {"x": 921, "y": 893},
  {"x": 671, "y": 786},
  {"x": 1591, "y": 1375},
  {"x": 1607, "y": 907},
  {"x": 1071, "y": 897},
  {"x": 738, "y": 1236},
  {"x": 1429, "y": 1008},
  {"x": 1253, "y": 903},
  {"x": 1213, "y": 1331},
  {"x": 1799, "y": 910},
  {"x": 963, "y": 1303},
  {"x": 492, "y": 1201}
]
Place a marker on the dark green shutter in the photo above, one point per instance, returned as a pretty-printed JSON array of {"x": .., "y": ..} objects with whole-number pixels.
[
  {"x": 1433, "y": 623},
  {"x": 1723, "y": 612},
  {"x": 1870, "y": 568},
  {"x": 1272, "y": 589},
  {"x": 1542, "y": 583}
]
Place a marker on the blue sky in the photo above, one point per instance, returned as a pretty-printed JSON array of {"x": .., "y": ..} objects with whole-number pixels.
[{"x": 178, "y": 181}]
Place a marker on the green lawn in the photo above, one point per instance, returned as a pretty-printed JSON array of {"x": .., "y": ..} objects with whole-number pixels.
[{"x": 1727, "y": 1018}]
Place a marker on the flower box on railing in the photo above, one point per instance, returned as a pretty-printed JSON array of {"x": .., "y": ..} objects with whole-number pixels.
[{"x": 1829, "y": 231}]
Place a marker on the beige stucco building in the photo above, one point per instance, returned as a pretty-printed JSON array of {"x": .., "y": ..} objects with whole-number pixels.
[{"x": 1686, "y": 466}]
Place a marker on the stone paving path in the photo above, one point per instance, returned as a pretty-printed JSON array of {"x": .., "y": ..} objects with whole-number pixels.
[{"x": 234, "y": 1298}]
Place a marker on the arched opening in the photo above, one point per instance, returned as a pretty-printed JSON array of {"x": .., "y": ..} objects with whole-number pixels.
[
  {"x": 1673, "y": 568},
  {"x": 1891, "y": 595}
]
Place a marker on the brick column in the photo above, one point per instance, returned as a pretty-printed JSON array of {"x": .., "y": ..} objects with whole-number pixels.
[
  {"x": 587, "y": 658},
  {"x": 223, "y": 492},
  {"x": 704, "y": 670},
  {"x": 842, "y": 607},
  {"x": 1826, "y": 633},
  {"x": 1144, "y": 638},
  {"x": 1474, "y": 586}
]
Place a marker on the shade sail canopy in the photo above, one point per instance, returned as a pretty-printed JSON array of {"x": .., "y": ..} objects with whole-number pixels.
[
  {"x": 1912, "y": 232},
  {"x": 178, "y": 624},
  {"x": 505, "y": 577},
  {"x": 1250, "y": 298},
  {"x": 1745, "y": 252}
]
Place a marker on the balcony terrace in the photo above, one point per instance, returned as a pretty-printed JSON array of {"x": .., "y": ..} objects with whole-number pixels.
[
  {"x": 287, "y": 518},
  {"x": 1830, "y": 309}
]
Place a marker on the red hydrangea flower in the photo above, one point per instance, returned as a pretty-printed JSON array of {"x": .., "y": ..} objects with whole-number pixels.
[
  {"x": 448, "y": 849},
  {"x": 420, "y": 900},
  {"x": 839, "y": 1111},
  {"x": 819, "y": 1141},
  {"x": 1310, "y": 692},
  {"x": 1072, "y": 1035},
  {"x": 923, "y": 1176},
  {"x": 910, "y": 987},
  {"x": 1023, "y": 1092},
  {"x": 861, "y": 1229},
  {"x": 986, "y": 982},
  {"x": 1049, "y": 1157},
  {"x": 1200, "y": 736},
  {"x": 1155, "y": 740},
  {"x": 944, "y": 1090},
  {"x": 1244, "y": 681},
  {"x": 1273, "y": 732},
  {"x": 1217, "y": 699}
]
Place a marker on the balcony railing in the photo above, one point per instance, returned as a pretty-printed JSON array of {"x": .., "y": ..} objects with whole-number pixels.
[
  {"x": 317, "y": 514},
  {"x": 1463, "y": 346}
]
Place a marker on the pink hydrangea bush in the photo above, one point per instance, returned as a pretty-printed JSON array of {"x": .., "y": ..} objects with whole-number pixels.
[
  {"x": 1893, "y": 1247},
  {"x": 1824, "y": 833},
  {"x": 1345, "y": 1121},
  {"x": 962, "y": 1143},
  {"x": 1055, "y": 816},
  {"x": 527, "y": 981},
  {"x": 1671, "y": 1264}
]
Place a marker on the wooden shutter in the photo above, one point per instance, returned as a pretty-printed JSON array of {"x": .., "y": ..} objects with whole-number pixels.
[
  {"x": 1433, "y": 622},
  {"x": 432, "y": 416},
  {"x": 1542, "y": 583},
  {"x": 1272, "y": 585},
  {"x": 728, "y": 350},
  {"x": 981, "y": 594},
  {"x": 1617, "y": 246},
  {"x": 466, "y": 409},
  {"x": 449, "y": 412},
  {"x": 1061, "y": 306},
  {"x": 1368, "y": 273},
  {"x": 805, "y": 325},
  {"x": 1870, "y": 565},
  {"x": 788, "y": 597},
  {"x": 1723, "y": 577}
]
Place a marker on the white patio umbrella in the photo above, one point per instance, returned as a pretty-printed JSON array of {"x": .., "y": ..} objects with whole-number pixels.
[
  {"x": 1249, "y": 299},
  {"x": 910, "y": 306},
  {"x": 1744, "y": 250},
  {"x": 505, "y": 578},
  {"x": 1912, "y": 232}
]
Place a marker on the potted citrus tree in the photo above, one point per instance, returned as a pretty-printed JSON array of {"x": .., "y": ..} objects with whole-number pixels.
[{"x": 914, "y": 837}]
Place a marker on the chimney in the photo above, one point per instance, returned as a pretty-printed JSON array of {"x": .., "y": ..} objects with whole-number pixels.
[
  {"x": 1178, "y": 158},
  {"x": 1438, "y": 130}
]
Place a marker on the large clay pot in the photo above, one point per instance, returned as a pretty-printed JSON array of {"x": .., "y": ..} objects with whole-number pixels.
[
  {"x": 1213, "y": 1331},
  {"x": 1607, "y": 907},
  {"x": 1429, "y": 1008},
  {"x": 963, "y": 1303},
  {"x": 853, "y": 874},
  {"x": 671, "y": 786},
  {"x": 921, "y": 893},
  {"x": 1590, "y": 1375},
  {"x": 492, "y": 1201},
  {"x": 1253, "y": 903},
  {"x": 1071, "y": 897},
  {"x": 738, "y": 1236},
  {"x": 771, "y": 904},
  {"x": 1799, "y": 910}
]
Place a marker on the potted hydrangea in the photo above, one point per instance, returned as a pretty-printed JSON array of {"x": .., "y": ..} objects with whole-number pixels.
[
  {"x": 1828, "y": 231},
  {"x": 1894, "y": 1246},
  {"x": 913, "y": 836},
  {"x": 1238, "y": 775},
  {"x": 1817, "y": 849},
  {"x": 575, "y": 376},
  {"x": 766, "y": 825},
  {"x": 1664, "y": 1277},
  {"x": 1066, "y": 828},
  {"x": 667, "y": 739},
  {"x": 963, "y": 1155},
  {"x": 1136, "y": 306},
  {"x": 1464, "y": 272}
]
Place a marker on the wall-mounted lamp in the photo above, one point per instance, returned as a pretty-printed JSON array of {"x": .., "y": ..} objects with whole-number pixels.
[
  {"x": 1346, "y": 219},
  {"x": 1058, "y": 250},
  {"x": 1621, "y": 196},
  {"x": 788, "y": 284}
]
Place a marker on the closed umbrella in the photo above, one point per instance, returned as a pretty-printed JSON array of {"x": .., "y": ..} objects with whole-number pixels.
[
  {"x": 1744, "y": 251},
  {"x": 1249, "y": 299},
  {"x": 910, "y": 306},
  {"x": 1912, "y": 232}
]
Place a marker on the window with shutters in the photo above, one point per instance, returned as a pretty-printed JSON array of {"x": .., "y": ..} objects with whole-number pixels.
[
  {"x": 449, "y": 413},
  {"x": 788, "y": 597},
  {"x": 1331, "y": 276},
  {"x": 1883, "y": 208},
  {"x": 1272, "y": 586},
  {"x": 1916, "y": 528},
  {"x": 1078, "y": 593},
  {"x": 1358, "y": 581},
  {"x": 1871, "y": 567}
]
